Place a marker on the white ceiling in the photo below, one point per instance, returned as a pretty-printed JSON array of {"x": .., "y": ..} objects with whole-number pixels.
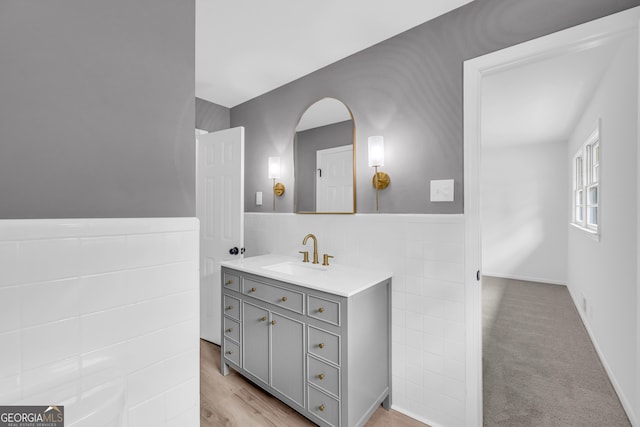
[
  {"x": 541, "y": 101},
  {"x": 245, "y": 48}
]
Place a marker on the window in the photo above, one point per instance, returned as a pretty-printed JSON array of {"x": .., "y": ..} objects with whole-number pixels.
[{"x": 586, "y": 185}]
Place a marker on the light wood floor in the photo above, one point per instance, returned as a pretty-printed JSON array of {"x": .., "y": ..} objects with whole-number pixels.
[{"x": 232, "y": 401}]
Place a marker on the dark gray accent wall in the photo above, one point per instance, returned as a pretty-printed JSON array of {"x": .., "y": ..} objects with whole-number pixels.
[
  {"x": 307, "y": 143},
  {"x": 408, "y": 89},
  {"x": 212, "y": 117},
  {"x": 96, "y": 108}
]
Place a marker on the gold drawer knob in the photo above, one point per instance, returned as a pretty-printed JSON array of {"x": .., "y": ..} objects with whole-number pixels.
[
  {"x": 321, "y": 408},
  {"x": 229, "y": 307},
  {"x": 263, "y": 318},
  {"x": 252, "y": 290},
  {"x": 321, "y": 345},
  {"x": 229, "y": 330},
  {"x": 320, "y": 376},
  {"x": 321, "y": 310},
  {"x": 229, "y": 282},
  {"x": 284, "y": 299},
  {"x": 273, "y": 322}
]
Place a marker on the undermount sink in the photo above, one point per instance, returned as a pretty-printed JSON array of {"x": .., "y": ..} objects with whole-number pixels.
[{"x": 296, "y": 268}]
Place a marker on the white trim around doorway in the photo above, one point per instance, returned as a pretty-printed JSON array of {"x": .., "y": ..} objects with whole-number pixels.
[{"x": 573, "y": 39}]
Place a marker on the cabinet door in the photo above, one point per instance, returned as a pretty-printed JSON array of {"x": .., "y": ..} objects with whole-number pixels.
[
  {"x": 287, "y": 351},
  {"x": 255, "y": 341}
]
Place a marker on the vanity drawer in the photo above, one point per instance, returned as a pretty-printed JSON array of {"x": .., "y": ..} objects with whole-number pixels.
[
  {"x": 232, "y": 329},
  {"x": 232, "y": 307},
  {"x": 324, "y": 406},
  {"x": 231, "y": 281},
  {"x": 231, "y": 351},
  {"x": 324, "y": 309},
  {"x": 324, "y": 344},
  {"x": 276, "y": 295},
  {"x": 324, "y": 376}
]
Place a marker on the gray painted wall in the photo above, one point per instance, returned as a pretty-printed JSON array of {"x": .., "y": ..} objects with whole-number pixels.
[
  {"x": 307, "y": 143},
  {"x": 96, "y": 108},
  {"x": 212, "y": 117},
  {"x": 408, "y": 89}
]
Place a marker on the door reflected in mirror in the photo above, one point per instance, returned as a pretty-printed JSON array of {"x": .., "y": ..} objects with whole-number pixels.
[{"x": 324, "y": 159}]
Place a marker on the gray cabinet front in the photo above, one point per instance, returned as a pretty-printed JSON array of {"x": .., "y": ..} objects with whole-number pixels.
[
  {"x": 324, "y": 375},
  {"x": 255, "y": 321},
  {"x": 326, "y": 356},
  {"x": 287, "y": 357}
]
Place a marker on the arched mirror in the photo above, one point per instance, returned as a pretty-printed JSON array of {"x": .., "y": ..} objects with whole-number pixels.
[{"x": 324, "y": 159}]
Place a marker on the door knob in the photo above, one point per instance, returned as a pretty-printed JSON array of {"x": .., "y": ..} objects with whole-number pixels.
[{"x": 234, "y": 250}]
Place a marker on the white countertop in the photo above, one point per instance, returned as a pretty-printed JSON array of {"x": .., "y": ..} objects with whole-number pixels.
[{"x": 336, "y": 279}]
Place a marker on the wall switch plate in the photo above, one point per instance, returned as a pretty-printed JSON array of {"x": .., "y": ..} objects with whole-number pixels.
[
  {"x": 442, "y": 190},
  {"x": 258, "y": 198}
]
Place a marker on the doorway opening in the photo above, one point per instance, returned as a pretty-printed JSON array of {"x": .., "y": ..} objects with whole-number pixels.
[{"x": 520, "y": 231}]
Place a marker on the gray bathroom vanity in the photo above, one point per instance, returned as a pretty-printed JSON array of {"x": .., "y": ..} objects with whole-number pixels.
[{"x": 316, "y": 337}]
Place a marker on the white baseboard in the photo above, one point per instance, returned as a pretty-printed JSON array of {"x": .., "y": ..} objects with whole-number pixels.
[
  {"x": 415, "y": 417},
  {"x": 526, "y": 278},
  {"x": 627, "y": 406}
]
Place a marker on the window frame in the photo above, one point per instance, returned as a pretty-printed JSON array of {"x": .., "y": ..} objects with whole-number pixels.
[{"x": 586, "y": 194}]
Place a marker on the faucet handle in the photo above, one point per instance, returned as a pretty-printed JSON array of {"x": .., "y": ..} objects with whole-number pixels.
[
  {"x": 305, "y": 256},
  {"x": 325, "y": 259}
]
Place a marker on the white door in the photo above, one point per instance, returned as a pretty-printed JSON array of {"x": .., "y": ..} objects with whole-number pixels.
[
  {"x": 220, "y": 208},
  {"x": 334, "y": 179}
]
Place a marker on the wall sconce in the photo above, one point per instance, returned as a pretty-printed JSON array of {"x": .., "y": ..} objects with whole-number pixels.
[
  {"x": 376, "y": 159},
  {"x": 274, "y": 173}
]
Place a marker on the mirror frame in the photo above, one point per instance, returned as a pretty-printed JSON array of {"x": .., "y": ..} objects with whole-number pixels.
[{"x": 294, "y": 140}]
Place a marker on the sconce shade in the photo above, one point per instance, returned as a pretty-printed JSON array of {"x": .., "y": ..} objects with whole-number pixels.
[
  {"x": 274, "y": 167},
  {"x": 376, "y": 151}
]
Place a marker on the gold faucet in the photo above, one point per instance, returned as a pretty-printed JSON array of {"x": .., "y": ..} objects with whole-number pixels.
[{"x": 315, "y": 246}]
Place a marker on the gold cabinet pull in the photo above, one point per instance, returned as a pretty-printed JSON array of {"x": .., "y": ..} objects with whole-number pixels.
[
  {"x": 229, "y": 352},
  {"x": 284, "y": 299},
  {"x": 252, "y": 290},
  {"x": 321, "y": 345},
  {"x": 321, "y": 408},
  {"x": 263, "y": 318},
  {"x": 273, "y": 322},
  {"x": 229, "y": 307},
  {"x": 229, "y": 282},
  {"x": 320, "y": 376},
  {"x": 321, "y": 310}
]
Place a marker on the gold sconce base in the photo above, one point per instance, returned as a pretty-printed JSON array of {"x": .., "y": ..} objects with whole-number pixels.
[
  {"x": 278, "y": 189},
  {"x": 380, "y": 180}
]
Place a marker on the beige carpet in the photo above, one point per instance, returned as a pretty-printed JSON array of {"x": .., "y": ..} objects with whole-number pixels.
[{"x": 540, "y": 367}]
